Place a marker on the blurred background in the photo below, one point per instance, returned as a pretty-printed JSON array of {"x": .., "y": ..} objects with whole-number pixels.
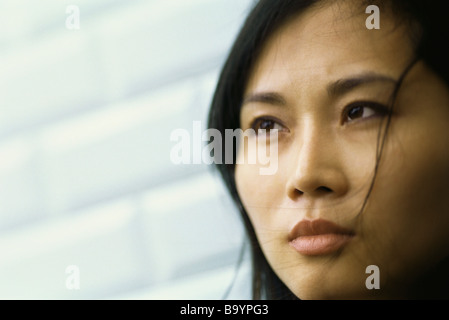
[{"x": 91, "y": 206}]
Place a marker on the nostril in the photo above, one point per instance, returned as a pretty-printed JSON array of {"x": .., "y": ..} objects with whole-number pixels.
[
  {"x": 324, "y": 189},
  {"x": 317, "y": 191}
]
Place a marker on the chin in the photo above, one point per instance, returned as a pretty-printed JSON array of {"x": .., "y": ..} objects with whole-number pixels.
[{"x": 335, "y": 287}]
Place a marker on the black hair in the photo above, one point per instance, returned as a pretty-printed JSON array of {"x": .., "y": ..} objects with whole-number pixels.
[{"x": 428, "y": 30}]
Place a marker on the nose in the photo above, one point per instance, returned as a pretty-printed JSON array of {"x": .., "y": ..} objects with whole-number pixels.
[{"x": 317, "y": 169}]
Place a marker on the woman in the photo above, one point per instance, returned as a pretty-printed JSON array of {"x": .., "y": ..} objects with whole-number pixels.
[{"x": 358, "y": 207}]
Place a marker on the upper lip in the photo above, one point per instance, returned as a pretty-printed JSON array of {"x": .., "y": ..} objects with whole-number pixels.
[{"x": 317, "y": 227}]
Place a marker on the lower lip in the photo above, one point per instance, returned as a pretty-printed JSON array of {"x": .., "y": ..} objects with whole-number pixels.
[{"x": 320, "y": 244}]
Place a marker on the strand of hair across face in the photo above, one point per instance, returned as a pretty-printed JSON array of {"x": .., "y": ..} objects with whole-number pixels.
[{"x": 382, "y": 139}]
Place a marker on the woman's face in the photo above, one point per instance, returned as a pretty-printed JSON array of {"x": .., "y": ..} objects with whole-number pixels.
[{"x": 324, "y": 81}]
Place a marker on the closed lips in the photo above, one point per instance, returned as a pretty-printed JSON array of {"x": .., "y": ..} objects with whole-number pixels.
[{"x": 319, "y": 237}]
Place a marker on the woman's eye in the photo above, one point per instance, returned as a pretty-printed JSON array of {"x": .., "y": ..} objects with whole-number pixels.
[
  {"x": 266, "y": 124},
  {"x": 364, "y": 110}
]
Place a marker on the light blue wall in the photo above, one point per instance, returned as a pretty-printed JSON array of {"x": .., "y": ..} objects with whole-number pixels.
[{"x": 85, "y": 171}]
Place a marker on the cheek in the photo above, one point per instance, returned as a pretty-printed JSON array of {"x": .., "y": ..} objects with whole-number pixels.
[
  {"x": 408, "y": 213},
  {"x": 258, "y": 191},
  {"x": 261, "y": 197},
  {"x": 413, "y": 180},
  {"x": 255, "y": 191}
]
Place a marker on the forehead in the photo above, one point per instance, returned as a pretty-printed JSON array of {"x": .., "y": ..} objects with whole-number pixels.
[{"x": 331, "y": 40}]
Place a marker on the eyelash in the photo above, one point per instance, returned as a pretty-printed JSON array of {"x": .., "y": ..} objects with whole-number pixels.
[
  {"x": 255, "y": 124},
  {"x": 379, "y": 109}
]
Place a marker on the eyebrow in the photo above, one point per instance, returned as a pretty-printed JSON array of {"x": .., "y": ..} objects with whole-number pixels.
[
  {"x": 342, "y": 86},
  {"x": 338, "y": 87},
  {"x": 265, "y": 97}
]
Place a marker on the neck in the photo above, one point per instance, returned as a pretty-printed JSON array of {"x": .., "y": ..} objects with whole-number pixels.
[{"x": 434, "y": 284}]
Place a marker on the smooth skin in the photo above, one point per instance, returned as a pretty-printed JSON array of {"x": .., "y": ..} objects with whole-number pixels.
[{"x": 324, "y": 82}]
